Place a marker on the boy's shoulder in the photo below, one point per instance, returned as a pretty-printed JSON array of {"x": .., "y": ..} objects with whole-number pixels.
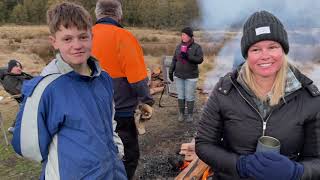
[
  {"x": 38, "y": 84},
  {"x": 105, "y": 74},
  {"x": 50, "y": 68},
  {"x": 106, "y": 77}
]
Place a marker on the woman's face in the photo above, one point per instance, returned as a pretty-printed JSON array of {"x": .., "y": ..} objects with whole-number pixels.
[
  {"x": 265, "y": 58},
  {"x": 185, "y": 37}
]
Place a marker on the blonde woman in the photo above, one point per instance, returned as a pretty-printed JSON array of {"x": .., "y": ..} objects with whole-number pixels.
[{"x": 266, "y": 96}]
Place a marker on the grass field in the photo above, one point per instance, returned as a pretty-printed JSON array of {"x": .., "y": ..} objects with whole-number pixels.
[{"x": 12, "y": 166}]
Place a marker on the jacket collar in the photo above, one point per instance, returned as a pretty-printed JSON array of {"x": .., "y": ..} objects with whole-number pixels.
[
  {"x": 107, "y": 20},
  {"x": 306, "y": 82},
  {"x": 62, "y": 66},
  {"x": 303, "y": 79},
  {"x": 65, "y": 68},
  {"x": 292, "y": 83},
  {"x": 189, "y": 43},
  {"x": 228, "y": 82}
]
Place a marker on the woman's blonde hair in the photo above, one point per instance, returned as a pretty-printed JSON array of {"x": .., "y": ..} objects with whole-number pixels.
[{"x": 278, "y": 88}]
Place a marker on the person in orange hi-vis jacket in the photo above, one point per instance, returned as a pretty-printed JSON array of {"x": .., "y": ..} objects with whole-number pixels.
[{"x": 121, "y": 56}]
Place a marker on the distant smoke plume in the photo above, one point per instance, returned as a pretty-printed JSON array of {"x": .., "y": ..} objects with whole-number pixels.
[
  {"x": 218, "y": 14},
  {"x": 301, "y": 18}
]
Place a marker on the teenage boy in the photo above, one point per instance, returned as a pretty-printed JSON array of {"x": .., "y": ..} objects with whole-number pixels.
[{"x": 65, "y": 120}]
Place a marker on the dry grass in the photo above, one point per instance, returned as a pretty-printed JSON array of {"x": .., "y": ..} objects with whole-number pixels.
[
  {"x": 164, "y": 36},
  {"x": 23, "y": 32},
  {"x": 11, "y": 165},
  {"x": 30, "y": 45}
]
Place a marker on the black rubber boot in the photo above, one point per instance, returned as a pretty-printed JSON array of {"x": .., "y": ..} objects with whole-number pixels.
[
  {"x": 190, "y": 106},
  {"x": 181, "y": 104}
]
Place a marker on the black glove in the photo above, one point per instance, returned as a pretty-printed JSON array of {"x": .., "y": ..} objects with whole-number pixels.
[
  {"x": 171, "y": 76},
  {"x": 184, "y": 55}
]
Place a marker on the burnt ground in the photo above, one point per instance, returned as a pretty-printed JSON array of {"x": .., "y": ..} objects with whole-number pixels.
[{"x": 164, "y": 137}]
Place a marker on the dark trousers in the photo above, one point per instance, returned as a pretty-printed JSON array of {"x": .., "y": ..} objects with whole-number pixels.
[{"x": 126, "y": 128}]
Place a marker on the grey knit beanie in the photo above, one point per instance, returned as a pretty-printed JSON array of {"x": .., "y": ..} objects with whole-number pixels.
[{"x": 260, "y": 26}]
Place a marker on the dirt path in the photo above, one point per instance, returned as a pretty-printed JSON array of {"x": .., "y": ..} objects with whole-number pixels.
[{"x": 163, "y": 139}]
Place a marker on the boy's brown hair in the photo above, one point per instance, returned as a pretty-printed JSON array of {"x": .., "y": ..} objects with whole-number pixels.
[{"x": 68, "y": 15}]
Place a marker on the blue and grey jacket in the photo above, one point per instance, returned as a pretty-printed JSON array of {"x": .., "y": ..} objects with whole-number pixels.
[
  {"x": 65, "y": 122},
  {"x": 58, "y": 66}
]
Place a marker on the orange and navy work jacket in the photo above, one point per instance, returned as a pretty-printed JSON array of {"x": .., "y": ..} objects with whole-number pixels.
[{"x": 120, "y": 54}]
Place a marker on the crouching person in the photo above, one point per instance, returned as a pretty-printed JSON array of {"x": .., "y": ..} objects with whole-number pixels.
[{"x": 65, "y": 120}]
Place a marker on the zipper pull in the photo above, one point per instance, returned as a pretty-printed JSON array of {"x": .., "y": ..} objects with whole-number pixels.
[{"x": 264, "y": 127}]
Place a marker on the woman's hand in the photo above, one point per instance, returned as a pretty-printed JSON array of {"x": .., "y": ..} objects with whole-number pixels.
[
  {"x": 171, "y": 77},
  {"x": 184, "y": 55},
  {"x": 269, "y": 165}
]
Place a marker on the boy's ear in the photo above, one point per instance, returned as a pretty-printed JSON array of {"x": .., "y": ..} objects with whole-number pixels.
[{"x": 53, "y": 42}]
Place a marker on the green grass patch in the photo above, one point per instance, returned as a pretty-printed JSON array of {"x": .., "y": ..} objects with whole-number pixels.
[{"x": 12, "y": 166}]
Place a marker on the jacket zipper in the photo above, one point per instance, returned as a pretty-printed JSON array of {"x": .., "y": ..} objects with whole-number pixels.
[{"x": 264, "y": 122}]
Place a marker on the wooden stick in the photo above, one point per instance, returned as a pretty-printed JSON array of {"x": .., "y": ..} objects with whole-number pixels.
[{"x": 194, "y": 171}]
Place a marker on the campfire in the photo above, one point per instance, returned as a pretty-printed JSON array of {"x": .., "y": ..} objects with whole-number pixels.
[{"x": 189, "y": 165}]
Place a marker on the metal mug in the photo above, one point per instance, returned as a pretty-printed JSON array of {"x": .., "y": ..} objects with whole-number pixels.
[{"x": 268, "y": 144}]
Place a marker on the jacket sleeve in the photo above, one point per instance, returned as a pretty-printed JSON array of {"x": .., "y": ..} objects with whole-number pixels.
[
  {"x": 116, "y": 138},
  {"x": 134, "y": 67},
  {"x": 36, "y": 126},
  {"x": 173, "y": 63},
  {"x": 197, "y": 57},
  {"x": 209, "y": 139},
  {"x": 311, "y": 149},
  {"x": 141, "y": 88},
  {"x": 27, "y": 76},
  {"x": 12, "y": 85}
]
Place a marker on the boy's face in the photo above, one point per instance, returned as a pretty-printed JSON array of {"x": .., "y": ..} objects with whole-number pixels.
[{"x": 73, "y": 44}]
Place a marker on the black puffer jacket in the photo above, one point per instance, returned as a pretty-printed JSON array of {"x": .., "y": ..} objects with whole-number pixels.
[
  {"x": 12, "y": 83},
  {"x": 230, "y": 114},
  {"x": 189, "y": 69}
]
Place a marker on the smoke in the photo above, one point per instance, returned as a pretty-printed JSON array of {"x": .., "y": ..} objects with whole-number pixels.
[
  {"x": 301, "y": 18},
  {"x": 218, "y": 14}
]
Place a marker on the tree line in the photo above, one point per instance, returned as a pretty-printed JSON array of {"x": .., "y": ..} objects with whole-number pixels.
[{"x": 139, "y": 13}]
